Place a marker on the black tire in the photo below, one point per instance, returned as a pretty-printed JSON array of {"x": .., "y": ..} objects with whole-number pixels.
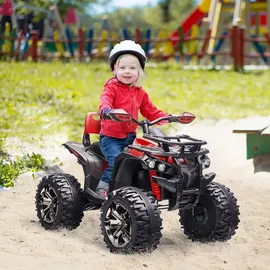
[
  {"x": 59, "y": 202},
  {"x": 139, "y": 222},
  {"x": 214, "y": 218}
]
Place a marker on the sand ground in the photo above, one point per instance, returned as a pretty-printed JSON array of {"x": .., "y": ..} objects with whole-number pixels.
[{"x": 25, "y": 245}]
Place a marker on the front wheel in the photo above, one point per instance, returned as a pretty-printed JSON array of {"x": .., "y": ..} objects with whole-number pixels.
[
  {"x": 214, "y": 218},
  {"x": 130, "y": 221},
  {"x": 59, "y": 202}
]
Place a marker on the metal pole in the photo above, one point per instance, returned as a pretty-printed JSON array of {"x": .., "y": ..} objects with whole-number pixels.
[
  {"x": 13, "y": 17},
  {"x": 268, "y": 16},
  {"x": 77, "y": 20},
  {"x": 211, "y": 13},
  {"x": 60, "y": 23},
  {"x": 214, "y": 27},
  {"x": 237, "y": 12},
  {"x": 247, "y": 46}
]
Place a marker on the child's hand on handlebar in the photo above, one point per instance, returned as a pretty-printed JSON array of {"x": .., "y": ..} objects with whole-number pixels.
[{"x": 105, "y": 113}]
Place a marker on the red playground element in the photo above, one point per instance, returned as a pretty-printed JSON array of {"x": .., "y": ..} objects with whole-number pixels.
[
  {"x": 71, "y": 17},
  {"x": 263, "y": 19},
  {"x": 192, "y": 19},
  {"x": 6, "y": 8}
]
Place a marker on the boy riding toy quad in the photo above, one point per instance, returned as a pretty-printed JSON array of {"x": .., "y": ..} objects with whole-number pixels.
[{"x": 155, "y": 172}]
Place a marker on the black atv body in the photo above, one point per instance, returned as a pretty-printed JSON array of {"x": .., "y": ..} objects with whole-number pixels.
[{"x": 155, "y": 172}]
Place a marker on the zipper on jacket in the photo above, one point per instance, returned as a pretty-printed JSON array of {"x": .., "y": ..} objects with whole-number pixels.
[{"x": 132, "y": 101}]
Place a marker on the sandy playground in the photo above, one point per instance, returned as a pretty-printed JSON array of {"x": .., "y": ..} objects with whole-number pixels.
[{"x": 25, "y": 245}]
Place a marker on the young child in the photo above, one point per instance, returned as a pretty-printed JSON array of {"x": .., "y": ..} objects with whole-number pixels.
[{"x": 127, "y": 61}]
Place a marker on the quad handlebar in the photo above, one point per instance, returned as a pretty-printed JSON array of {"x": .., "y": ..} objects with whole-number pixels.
[
  {"x": 120, "y": 115},
  {"x": 186, "y": 146}
]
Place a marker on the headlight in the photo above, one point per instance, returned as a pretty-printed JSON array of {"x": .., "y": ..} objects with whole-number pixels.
[
  {"x": 151, "y": 164},
  {"x": 206, "y": 162},
  {"x": 161, "y": 167}
]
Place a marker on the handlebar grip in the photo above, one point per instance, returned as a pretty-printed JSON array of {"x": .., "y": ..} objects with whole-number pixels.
[
  {"x": 106, "y": 116},
  {"x": 172, "y": 118}
]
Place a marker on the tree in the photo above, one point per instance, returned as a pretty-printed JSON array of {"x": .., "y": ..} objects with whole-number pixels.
[
  {"x": 36, "y": 6},
  {"x": 165, "y": 7},
  {"x": 172, "y": 9},
  {"x": 176, "y": 11}
]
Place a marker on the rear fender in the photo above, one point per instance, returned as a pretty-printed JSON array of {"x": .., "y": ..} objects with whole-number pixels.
[{"x": 93, "y": 165}]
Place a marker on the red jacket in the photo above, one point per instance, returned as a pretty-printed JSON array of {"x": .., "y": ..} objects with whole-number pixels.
[{"x": 131, "y": 99}]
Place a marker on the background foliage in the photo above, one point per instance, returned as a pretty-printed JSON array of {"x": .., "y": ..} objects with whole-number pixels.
[
  {"x": 166, "y": 14},
  {"x": 10, "y": 168},
  {"x": 63, "y": 6}
]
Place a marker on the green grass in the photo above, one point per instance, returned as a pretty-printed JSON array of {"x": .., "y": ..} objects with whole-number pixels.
[
  {"x": 48, "y": 98},
  {"x": 52, "y": 98}
]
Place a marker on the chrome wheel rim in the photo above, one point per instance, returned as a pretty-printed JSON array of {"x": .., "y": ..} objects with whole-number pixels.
[
  {"x": 48, "y": 204},
  {"x": 118, "y": 225}
]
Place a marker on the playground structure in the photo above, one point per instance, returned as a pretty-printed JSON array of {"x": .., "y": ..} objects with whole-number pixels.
[
  {"x": 217, "y": 32},
  {"x": 237, "y": 30}
]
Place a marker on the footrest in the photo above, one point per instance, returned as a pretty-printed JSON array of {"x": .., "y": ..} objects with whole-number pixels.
[{"x": 93, "y": 196}]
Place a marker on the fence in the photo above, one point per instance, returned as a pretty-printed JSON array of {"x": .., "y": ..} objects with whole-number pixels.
[{"x": 17, "y": 47}]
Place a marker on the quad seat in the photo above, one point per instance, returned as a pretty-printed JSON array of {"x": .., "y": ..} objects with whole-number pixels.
[{"x": 92, "y": 126}]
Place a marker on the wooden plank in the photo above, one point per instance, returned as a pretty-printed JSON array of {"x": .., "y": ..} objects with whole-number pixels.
[
  {"x": 252, "y": 127},
  {"x": 266, "y": 131},
  {"x": 247, "y": 131}
]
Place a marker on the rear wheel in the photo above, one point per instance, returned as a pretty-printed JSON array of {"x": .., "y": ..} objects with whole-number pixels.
[
  {"x": 214, "y": 218},
  {"x": 59, "y": 202},
  {"x": 130, "y": 221}
]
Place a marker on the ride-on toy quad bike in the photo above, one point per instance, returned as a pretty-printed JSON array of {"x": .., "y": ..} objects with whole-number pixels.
[{"x": 155, "y": 172}]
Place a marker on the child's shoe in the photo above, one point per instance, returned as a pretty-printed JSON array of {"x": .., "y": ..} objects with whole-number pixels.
[{"x": 102, "y": 189}]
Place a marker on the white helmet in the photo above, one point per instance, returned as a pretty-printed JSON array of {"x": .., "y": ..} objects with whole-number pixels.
[{"x": 127, "y": 46}]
